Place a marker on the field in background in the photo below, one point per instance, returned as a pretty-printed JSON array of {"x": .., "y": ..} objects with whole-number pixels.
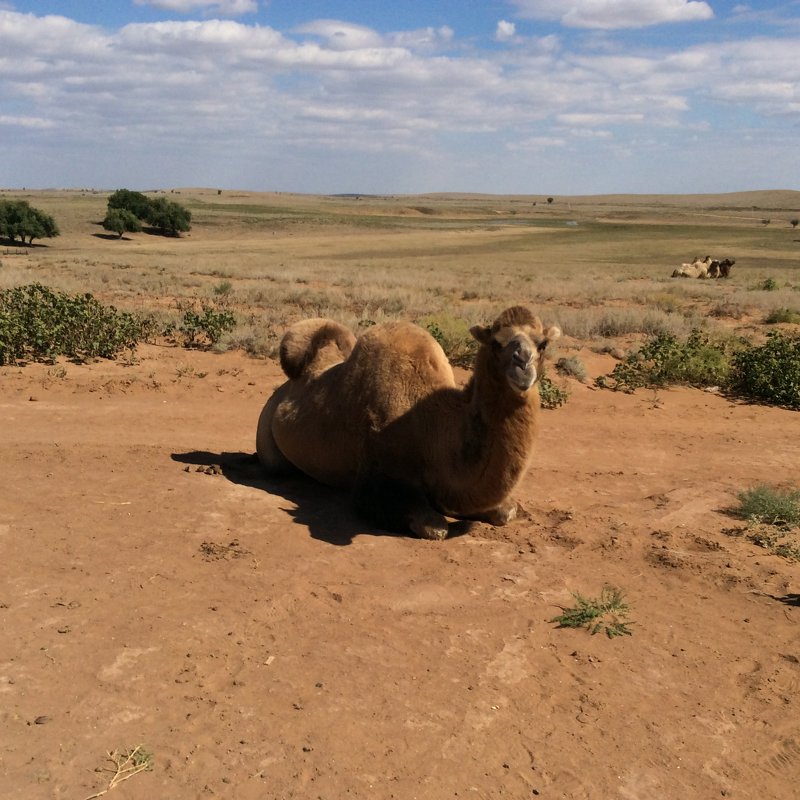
[{"x": 599, "y": 266}]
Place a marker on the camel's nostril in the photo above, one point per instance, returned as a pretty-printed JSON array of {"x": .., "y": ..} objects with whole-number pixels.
[{"x": 522, "y": 357}]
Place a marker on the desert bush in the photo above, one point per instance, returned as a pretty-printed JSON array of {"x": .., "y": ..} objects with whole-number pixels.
[
  {"x": 769, "y": 372},
  {"x": 770, "y": 505},
  {"x": 613, "y": 322},
  {"x": 665, "y": 360},
  {"x": 256, "y": 338},
  {"x": 210, "y": 325},
  {"x": 773, "y": 519},
  {"x": 768, "y": 285},
  {"x": 727, "y": 309},
  {"x": 572, "y": 366},
  {"x": 453, "y": 335},
  {"x": 778, "y": 315},
  {"x": 550, "y": 395},
  {"x": 39, "y": 324}
]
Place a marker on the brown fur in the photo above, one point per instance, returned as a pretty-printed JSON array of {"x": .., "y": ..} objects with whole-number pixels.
[{"x": 388, "y": 421}]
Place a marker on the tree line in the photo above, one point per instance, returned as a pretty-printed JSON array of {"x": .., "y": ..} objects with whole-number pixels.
[{"x": 127, "y": 211}]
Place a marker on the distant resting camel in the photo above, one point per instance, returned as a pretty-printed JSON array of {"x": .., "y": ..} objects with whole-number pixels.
[
  {"x": 383, "y": 417},
  {"x": 705, "y": 268}
]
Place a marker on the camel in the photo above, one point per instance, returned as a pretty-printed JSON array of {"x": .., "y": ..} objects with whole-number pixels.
[
  {"x": 382, "y": 416},
  {"x": 695, "y": 269},
  {"x": 705, "y": 268},
  {"x": 721, "y": 269}
]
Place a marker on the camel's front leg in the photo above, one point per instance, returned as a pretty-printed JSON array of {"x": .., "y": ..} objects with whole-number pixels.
[{"x": 396, "y": 505}]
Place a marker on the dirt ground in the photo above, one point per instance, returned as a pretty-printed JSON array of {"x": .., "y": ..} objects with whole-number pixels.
[{"x": 260, "y": 642}]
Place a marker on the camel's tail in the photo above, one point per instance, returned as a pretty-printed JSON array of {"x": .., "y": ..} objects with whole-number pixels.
[{"x": 313, "y": 345}]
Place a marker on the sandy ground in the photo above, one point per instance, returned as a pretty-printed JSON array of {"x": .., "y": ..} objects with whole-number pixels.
[{"x": 260, "y": 642}]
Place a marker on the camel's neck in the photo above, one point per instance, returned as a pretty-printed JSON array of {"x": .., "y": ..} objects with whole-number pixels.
[{"x": 497, "y": 430}]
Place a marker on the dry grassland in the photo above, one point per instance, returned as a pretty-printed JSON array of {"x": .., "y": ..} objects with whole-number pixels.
[{"x": 600, "y": 266}]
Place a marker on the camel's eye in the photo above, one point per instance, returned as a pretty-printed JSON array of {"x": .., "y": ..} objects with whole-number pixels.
[{"x": 496, "y": 346}]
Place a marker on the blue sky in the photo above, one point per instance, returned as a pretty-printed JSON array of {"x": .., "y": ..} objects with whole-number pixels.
[{"x": 504, "y": 96}]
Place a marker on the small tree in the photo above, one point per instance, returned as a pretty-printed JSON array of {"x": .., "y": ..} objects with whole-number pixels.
[
  {"x": 19, "y": 220},
  {"x": 120, "y": 220},
  {"x": 794, "y": 222},
  {"x": 135, "y": 202},
  {"x": 169, "y": 217}
]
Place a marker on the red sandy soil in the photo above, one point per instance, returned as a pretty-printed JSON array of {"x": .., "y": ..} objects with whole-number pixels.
[{"x": 261, "y": 642}]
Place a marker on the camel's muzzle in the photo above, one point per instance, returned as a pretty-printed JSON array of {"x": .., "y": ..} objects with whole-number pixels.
[{"x": 522, "y": 370}]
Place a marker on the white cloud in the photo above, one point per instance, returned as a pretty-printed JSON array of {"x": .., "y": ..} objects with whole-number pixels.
[
  {"x": 203, "y": 93},
  {"x": 614, "y": 14},
  {"x": 225, "y": 8},
  {"x": 505, "y": 31},
  {"x": 423, "y": 39},
  {"x": 25, "y": 122},
  {"x": 342, "y": 35}
]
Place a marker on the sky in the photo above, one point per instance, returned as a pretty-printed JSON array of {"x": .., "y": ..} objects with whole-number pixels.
[{"x": 569, "y": 97}]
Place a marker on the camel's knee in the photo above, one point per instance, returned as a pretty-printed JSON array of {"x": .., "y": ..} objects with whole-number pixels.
[{"x": 269, "y": 454}]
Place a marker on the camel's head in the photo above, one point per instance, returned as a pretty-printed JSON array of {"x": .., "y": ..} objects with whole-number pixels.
[{"x": 514, "y": 346}]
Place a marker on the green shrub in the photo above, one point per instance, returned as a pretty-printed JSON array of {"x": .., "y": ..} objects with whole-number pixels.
[
  {"x": 550, "y": 395},
  {"x": 768, "y": 285},
  {"x": 211, "y": 325},
  {"x": 454, "y": 337},
  {"x": 773, "y": 519},
  {"x": 664, "y": 360},
  {"x": 771, "y": 506},
  {"x": 769, "y": 372},
  {"x": 38, "y": 324},
  {"x": 778, "y": 315}
]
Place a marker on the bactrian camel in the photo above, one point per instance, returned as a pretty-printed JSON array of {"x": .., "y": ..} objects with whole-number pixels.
[{"x": 382, "y": 415}]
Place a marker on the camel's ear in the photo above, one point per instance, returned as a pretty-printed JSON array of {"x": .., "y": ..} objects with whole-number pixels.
[
  {"x": 481, "y": 334},
  {"x": 550, "y": 335}
]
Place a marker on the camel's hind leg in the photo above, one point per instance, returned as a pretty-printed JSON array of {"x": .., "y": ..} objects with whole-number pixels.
[
  {"x": 398, "y": 506},
  {"x": 270, "y": 456}
]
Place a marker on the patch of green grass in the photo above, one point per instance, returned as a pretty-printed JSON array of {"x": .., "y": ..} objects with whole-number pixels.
[
  {"x": 606, "y": 613},
  {"x": 770, "y": 505},
  {"x": 773, "y": 519}
]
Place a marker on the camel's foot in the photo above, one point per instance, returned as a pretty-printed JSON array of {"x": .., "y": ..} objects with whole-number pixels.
[
  {"x": 429, "y": 525},
  {"x": 501, "y": 515}
]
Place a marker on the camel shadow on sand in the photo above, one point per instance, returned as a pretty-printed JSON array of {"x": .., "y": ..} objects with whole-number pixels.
[{"x": 326, "y": 512}]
